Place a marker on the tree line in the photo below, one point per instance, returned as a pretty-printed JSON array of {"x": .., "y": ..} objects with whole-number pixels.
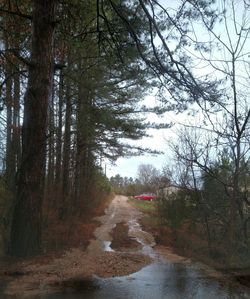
[
  {"x": 148, "y": 179},
  {"x": 72, "y": 83},
  {"x": 73, "y": 75}
]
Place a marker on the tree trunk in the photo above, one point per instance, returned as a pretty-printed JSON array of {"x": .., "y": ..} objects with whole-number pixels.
[
  {"x": 59, "y": 131},
  {"x": 16, "y": 120},
  {"x": 66, "y": 154},
  {"x": 10, "y": 170},
  {"x": 27, "y": 221},
  {"x": 51, "y": 145},
  {"x": 233, "y": 232}
]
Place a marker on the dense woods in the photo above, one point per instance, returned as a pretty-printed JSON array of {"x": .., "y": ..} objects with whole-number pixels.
[
  {"x": 71, "y": 90},
  {"x": 73, "y": 78}
]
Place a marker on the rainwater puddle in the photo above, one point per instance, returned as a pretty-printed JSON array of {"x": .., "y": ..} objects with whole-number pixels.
[
  {"x": 160, "y": 280},
  {"x": 107, "y": 246},
  {"x": 163, "y": 279},
  {"x": 145, "y": 239}
]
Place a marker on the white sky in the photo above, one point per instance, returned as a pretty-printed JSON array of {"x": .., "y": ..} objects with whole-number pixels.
[{"x": 159, "y": 141}]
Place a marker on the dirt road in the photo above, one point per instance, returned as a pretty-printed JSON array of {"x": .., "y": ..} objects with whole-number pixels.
[
  {"x": 99, "y": 258},
  {"x": 119, "y": 211},
  {"x": 113, "y": 266}
]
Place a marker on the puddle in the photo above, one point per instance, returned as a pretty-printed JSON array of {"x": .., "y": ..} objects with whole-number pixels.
[
  {"x": 107, "y": 246},
  {"x": 144, "y": 238},
  {"x": 77, "y": 285},
  {"x": 122, "y": 241},
  {"x": 160, "y": 280}
]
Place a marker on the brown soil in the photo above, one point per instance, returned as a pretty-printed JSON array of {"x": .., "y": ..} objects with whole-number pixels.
[{"x": 74, "y": 265}]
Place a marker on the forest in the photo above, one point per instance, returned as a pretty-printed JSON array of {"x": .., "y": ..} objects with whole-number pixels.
[{"x": 73, "y": 77}]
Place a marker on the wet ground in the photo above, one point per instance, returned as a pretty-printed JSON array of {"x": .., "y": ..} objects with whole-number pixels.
[
  {"x": 144, "y": 271},
  {"x": 159, "y": 280}
]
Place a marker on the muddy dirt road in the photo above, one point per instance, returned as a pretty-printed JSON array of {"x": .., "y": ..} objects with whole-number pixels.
[
  {"x": 119, "y": 211},
  {"x": 136, "y": 268}
]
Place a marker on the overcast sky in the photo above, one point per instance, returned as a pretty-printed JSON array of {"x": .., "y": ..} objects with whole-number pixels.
[
  {"x": 159, "y": 141},
  {"x": 128, "y": 166}
]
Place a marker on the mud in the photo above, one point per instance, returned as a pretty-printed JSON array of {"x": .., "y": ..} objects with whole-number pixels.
[{"x": 122, "y": 241}]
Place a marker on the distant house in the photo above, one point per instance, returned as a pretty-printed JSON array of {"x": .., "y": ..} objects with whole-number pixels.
[{"x": 168, "y": 190}]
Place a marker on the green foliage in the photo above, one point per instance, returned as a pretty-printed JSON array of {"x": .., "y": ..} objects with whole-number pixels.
[
  {"x": 101, "y": 182},
  {"x": 215, "y": 193},
  {"x": 107, "y": 79},
  {"x": 206, "y": 212},
  {"x": 174, "y": 209},
  {"x": 96, "y": 192}
]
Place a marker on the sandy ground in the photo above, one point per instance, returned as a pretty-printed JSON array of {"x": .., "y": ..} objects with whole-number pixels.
[{"x": 77, "y": 266}]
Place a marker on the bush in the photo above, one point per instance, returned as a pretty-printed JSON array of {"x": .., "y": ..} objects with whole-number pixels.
[{"x": 174, "y": 209}]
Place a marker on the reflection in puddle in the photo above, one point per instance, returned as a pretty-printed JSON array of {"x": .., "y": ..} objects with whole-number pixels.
[
  {"x": 160, "y": 280},
  {"x": 144, "y": 238},
  {"x": 107, "y": 246}
]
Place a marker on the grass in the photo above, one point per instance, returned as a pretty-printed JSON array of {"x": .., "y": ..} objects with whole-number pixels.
[
  {"x": 149, "y": 207},
  {"x": 150, "y": 220}
]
